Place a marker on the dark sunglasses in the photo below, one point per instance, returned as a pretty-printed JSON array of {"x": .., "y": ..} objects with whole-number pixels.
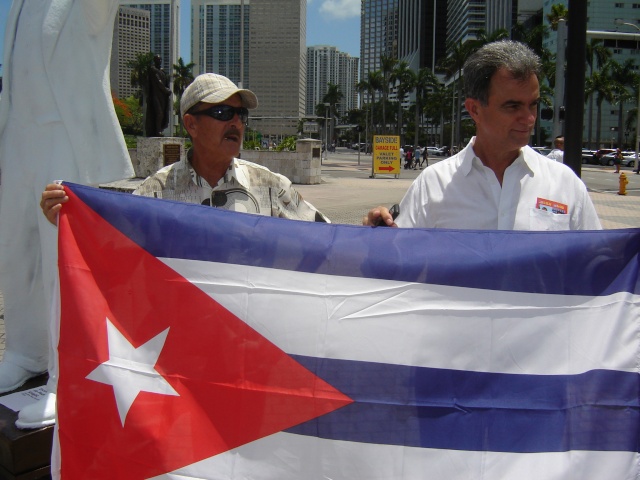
[{"x": 224, "y": 113}]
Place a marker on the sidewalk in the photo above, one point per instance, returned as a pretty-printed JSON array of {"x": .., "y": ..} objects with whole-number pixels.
[{"x": 346, "y": 199}]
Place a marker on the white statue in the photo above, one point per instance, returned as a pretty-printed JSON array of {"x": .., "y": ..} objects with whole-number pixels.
[{"x": 57, "y": 121}]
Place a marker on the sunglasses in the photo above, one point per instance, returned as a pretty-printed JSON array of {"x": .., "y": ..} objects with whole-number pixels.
[{"x": 224, "y": 113}]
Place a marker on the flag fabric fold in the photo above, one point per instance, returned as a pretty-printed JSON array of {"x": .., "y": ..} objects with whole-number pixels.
[{"x": 202, "y": 343}]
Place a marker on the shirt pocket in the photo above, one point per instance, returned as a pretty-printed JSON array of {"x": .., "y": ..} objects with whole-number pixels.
[{"x": 542, "y": 220}]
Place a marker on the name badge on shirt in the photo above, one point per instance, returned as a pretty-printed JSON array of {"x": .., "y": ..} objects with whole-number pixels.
[{"x": 551, "y": 206}]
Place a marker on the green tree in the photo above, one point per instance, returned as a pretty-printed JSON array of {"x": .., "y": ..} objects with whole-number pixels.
[
  {"x": 425, "y": 82},
  {"x": 371, "y": 86},
  {"x": 600, "y": 85},
  {"x": 452, "y": 66},
  {"x": 182, "y": 78},
  {"x": 333, "y": 97},
  {"x": 403, "y": 78},
  {"x": 624, "y": 78},
  {"x": 597, "y": 55},
  {"x": 558, "y": 12},
  {"x": 140, "y": 69},
  {"x": 387, "y": 64}
]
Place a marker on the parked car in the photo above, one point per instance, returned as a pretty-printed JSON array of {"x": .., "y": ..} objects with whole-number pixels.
[
  {"x": 542, "y": 150},
  {"x": 629, "y": 159},
  {"x": 600, "y": 157},
  {"x": 588, "y": 156},
  {"x": 441, "y": 151},
  {"x": 433, "y": 151}
]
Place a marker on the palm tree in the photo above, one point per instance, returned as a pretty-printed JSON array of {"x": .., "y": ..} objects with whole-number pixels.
[
  {"x": 598, "y": 53},
  {"x": 371, "y": 85},
  {"x": 387, "y": 64},
  {"x": 558, "y": 12},
  {"x": 600, "y": 84},
  {"x": 425, "y": 81},
  {"x": 404, "y": 79},
  {"x": 140, "y": 68},
  {"x": 452, "y": 65},
  {"x": 332, "y": 97},
  {"x": 182, "y": 77},
  {"x": 624, "y": 78}
]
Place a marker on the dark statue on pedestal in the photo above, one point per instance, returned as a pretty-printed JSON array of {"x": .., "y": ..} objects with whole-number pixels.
[{"x": 157, "y": 114}]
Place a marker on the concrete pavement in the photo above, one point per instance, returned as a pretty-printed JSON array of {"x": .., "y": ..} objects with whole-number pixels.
[{"x": 347, "y": 193}]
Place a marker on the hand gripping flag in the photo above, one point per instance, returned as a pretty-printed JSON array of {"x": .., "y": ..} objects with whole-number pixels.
[{"x": 201, "y": 343}]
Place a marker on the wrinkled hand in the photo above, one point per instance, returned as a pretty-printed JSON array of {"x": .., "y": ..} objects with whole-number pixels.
[
  {"x": 51, "y": 201},
  {"x": 379, "y": 216}
]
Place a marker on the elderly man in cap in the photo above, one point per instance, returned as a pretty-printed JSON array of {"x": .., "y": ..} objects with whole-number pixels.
[{"x": 214, "y": 112}]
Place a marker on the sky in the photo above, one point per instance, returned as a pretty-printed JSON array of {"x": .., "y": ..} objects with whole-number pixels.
[{"x": 329, "y": 22}]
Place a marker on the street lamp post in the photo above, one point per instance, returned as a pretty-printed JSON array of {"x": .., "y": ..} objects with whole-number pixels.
[
  {"x": 636, "y": 165},
  {"x": 326, "y": 130}
]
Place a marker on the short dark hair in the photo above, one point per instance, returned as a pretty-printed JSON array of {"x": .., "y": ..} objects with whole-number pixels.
[{"x": 517, "y": 58}]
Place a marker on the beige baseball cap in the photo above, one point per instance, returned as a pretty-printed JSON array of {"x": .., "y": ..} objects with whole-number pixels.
[{"x": 214, "y": 88}]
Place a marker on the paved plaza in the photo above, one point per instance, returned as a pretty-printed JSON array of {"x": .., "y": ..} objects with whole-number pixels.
[{"x": 347, "y": 192}]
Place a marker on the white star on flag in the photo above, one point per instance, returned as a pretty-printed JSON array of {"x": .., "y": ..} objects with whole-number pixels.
[{"x": 131, "y": 370}]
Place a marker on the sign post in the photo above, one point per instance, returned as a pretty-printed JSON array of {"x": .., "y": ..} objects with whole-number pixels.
[{"x": 386, "y": 155}]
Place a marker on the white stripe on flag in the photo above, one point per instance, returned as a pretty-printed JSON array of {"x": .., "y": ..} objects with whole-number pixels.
[
  {"x": 297, "y": 457},
  {"x": 425, "y": 325}
]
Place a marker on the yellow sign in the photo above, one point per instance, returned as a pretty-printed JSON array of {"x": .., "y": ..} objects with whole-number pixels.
[{"x": 386, "y": 154}]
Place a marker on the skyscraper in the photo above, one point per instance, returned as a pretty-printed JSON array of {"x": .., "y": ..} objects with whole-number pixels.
[
  {"x": 325, "y": 64},
  {"x": 278, "y": 63},
  {"x": 215, "y": 37},
  {"x": 130, "y": 37},
  {"x": 465, "y": 19},
  {"x": 164, "y": 34},
  {"x": 378, "y": 34}
]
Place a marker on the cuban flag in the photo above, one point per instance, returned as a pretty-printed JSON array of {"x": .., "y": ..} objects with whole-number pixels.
[{"x": 202, "y": 343}]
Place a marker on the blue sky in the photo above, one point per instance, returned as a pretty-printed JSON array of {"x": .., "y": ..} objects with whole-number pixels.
[{"x": 329, "y": 22}]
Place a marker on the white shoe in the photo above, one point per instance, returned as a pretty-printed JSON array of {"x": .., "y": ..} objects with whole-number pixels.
[
  {"x": 13, "y": 376},
  {"x": 39, "y": 414}
]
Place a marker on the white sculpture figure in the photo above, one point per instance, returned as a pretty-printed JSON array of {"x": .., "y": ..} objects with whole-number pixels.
[{"x": 57, "y": 121}]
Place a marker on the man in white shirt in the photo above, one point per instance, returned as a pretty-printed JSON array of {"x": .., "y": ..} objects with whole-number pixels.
[
  {"x": 497, "y": 182},
  {"x": 557, "y": 153}
]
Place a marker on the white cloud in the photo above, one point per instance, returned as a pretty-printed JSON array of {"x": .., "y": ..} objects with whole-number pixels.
[{"x": 340, "y": 9}]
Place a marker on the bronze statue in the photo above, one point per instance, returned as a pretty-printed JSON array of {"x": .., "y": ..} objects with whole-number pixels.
[{"x": 157, "y": 118}]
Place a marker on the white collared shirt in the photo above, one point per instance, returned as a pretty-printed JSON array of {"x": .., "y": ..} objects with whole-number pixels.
[{"x": 537, "y": 193}]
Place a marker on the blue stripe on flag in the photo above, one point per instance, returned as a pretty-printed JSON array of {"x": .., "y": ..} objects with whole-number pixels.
[
  {"x": 568, "y": 263},
  {"x": 479, "y": 411}
]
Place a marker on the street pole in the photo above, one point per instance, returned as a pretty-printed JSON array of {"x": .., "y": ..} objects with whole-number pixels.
[
  {"x": 574, "y": 113},
  {"x": 326, "y": 130},
  {"x": 558, "y": 98}
]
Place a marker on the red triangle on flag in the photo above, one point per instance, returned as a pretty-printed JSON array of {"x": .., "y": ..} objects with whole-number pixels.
[{"x": 234, "y": 386}]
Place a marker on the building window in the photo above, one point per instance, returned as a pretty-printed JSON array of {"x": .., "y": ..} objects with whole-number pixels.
[{"x": 619, "y": 5}]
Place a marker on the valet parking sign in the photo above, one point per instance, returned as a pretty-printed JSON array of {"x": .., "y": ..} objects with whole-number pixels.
[{"x": 386, "y": 155}]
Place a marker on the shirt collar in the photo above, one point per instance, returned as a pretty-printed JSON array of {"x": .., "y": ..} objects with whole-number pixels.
[
  {"x": 236, "y": 173},
  {"x": 527, "y": 158}
]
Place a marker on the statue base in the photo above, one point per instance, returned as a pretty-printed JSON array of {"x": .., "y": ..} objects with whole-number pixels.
[
  {"x": 153, "y": 153},
  {"x": 24, "y": 454}
]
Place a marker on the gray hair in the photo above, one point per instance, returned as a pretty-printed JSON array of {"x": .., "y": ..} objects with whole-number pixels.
[{"x": 517, "y": 58}]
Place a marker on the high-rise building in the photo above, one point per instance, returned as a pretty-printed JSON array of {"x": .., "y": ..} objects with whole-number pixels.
[
  {"x": 504, "y": 14},
  {"x": 164, "y": 37},
  {"x": 130, "y": 37},
  {"x": 325, "y": 64},
  {"x": 465, "y": 19},
  {"x": 414, "y": 31},
  {"x": 601, "y": 16},
  {"x": 278, "y": 64},
  {"x": 215, "y": 37},
  {"x": 164, "y": 34},
  {"x": 378, "y": 34},
  {"x": 422, "y": 32}
]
